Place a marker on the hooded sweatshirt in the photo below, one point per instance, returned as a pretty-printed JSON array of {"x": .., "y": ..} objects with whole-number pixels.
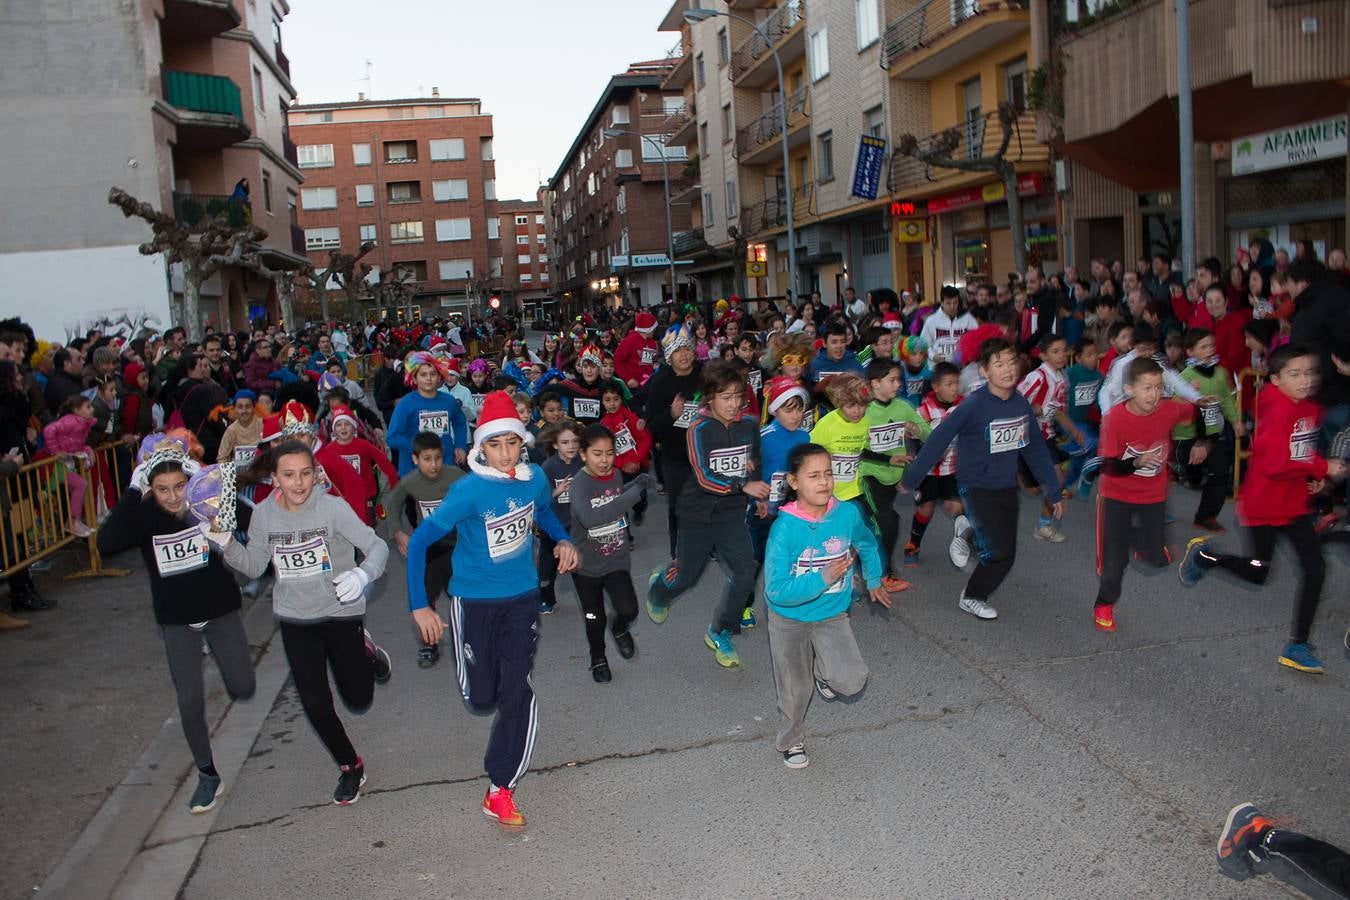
[
  {"x": 942, "y": 333},
  {"x": 1283, "y": 460},
  {"x": 801, "y": 546}
]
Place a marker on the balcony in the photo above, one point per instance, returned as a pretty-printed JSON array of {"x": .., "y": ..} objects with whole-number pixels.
[
  {"x": 209, "y": 109},
  {"x": 681, "y": 126},
  {"x": 289, "y": 151},
  {"x": 758, "y": 144},
  {"x": 752, "y": 63},
  {"x": 195, "y": 19},
  {"x": 197, "y": 212},
  {"x": 682, "y": 59},
  {"x": 403, "y": 192},
  {"x": 772, "y": 213},
  {"x": 298, "y": 239},
  {"x": 976, "y": 139},
  {"x": 937, "y": 35},
  {"x": 690, "y": 243},
  {"x": 283, "y": 61}
]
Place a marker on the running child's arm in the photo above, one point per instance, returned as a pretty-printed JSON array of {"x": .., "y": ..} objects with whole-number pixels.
[
  {"x": 374, "y": 551},
  {"x": 251, "y": 559},
  {"x": 398, "y": 503},
  {"x": 589, "y": 516},
  {"x": 119, "y": 530},
  {"x": 459, "y": 425},
  {"x": 547, "y": 519},
  {"x": 865, "y": 542},
  {"x": 399, "y": 436},
  {"x": 938, "y": 441},
  {"x": 1037, "y": 457},
  {"x": 381, "y": 462},
  {"x": 1180, "y": 386}
]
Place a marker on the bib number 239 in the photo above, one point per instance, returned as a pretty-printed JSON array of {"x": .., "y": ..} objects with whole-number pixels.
[{"x": 507, "y": 533}]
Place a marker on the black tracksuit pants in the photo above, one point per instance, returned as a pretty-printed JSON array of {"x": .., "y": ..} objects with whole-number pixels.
[
  {"x": 314, "y": 649},
  {"x": 1255, "y": 569},
  {"x": 1122, "y": 527},
  {"x": 591, "y": 590},
  {"x": 993, "y": 515}
]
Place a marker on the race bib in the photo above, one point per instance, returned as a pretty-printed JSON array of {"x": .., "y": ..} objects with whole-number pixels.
[
  {"x": 1143, "y": 471},
  {"x": 436, "y": 421},
  {"x": 807, "y": 564},
  {"x": 353, "y": 460},
  {"x": 914, "y": 388},
  {"x": 566, "y": 496},
  {"x": 881, "y": 438},
  {"x": 244, "y": 456},
  {"x": 182, "y": 552},
  {"x": 1007, "y": 434},
  {"x": 507, "y": 533},
  {"x": 648, "y": 356},
  {"x": 1303, "y": 442},
  {"x": 623, "y": 441},
  {"x": 755, "y": 378},
  {"x": 585, "y": 408},
  {"x": 1085, "y": 394},
  {"x": 844, "y": 466},
  {"x": 293, "y": 561},
  {"x": 426, "y": 507},
  {"x": 731, "y": 462},
  {"x": 808, "y": 420},
  {"x": 606, "y": 533},
  {"x": 777, "y": 488},
  {"x": 1212, "y": 416},
  {"x": 944, "y": 348},
  {"x": 687, "y": 417}
]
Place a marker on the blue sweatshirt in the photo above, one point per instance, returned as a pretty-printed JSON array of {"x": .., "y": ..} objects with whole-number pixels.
[
  {"x": 775, "y": 443},
  {"x": 990, "y": 435},
  {"x": 799, "y": 549},
  {"x": 822, "y": 366},
  {"x": 414, "y": 413},
  {"x": 493, "y": 520}
]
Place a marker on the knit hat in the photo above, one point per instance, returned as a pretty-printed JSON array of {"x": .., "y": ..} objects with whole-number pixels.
[
  {"x": 678, "y": 336},
  {"x": 342, "y": 414},
  {"x": 591, "y": 354},
  {"x": 645, "y": 323},
  {"x": 104, "y": 355},
  {"x": 782, "y": 389},
  {"x": 892, "y": 321},
  {"x": 498, "y": 416},
  {"x": 244, "y": 394},
  {"x": 132, "y": 372}
]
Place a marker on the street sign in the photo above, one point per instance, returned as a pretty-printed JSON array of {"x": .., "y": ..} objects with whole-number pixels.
[{"x": 867, "y": 167}]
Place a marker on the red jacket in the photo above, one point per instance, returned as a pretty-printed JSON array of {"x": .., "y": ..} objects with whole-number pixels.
[
  {"x": 1230, "y": 340},
  {"x": 344, "y": 481},
  {"x": 1283, "y": 459},
  {"x": 636, "y": 358},
  {"x": 625, "y": 420},
  {"x": 364, "y": 458}
]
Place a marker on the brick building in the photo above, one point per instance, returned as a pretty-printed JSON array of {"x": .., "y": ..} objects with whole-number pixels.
[
  {"x": 525, "y": 276},
  {"x": 606, "y": 201},
  {"x": 416, "y": 176}
]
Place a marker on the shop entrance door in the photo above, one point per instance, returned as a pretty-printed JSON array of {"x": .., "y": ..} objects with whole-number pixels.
[{"x": 972, "y": 256}]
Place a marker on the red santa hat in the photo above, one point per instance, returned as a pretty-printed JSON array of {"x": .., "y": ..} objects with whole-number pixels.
[
  {"x": 342, "y": 413},
  {"x": 498, "y": 416},
  {"x": 645, "y": 323},
  {"x": 892, "y": 321},
  {"x": 782, "y": 389},
  {"x": 293, "y": 419}
]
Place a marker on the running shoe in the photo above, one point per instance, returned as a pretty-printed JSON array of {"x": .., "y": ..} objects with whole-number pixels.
[
  {"x": 350, "y": 781},
  {"x": 384, "y": 666},
  {"x": 795, "y": 757},
  {"x": 1300, "y": 657},
  {"x": 502, "y": 807},
  {"x": 428, "y": 656},
  {"x": 1241, "y": 836},
  {"x": 894, "y": 585},
  {"x": 209, "y": 787},
  {"x": 748, "y": 619},
  {"x": 1048, "y": 532},
  {"x": 1104, "y": 616},
  {"x": 547, "y": 606},
  {"x": 911, "y": 556},
  {"x": 624, "y": 641},
  {"x": 825, "y": 691},
  {"x": 600, "y": 671},
  {"x": 977, "y": 608},
  {"x": 1189, "y": 570},
  {"x": 655, "y": 611},
  {"x": 959, "y": 550},
  {"x": 719, "y": 642},
  {"x": 1326, "y": 523},
  {"x": 1211, "y": 524}
]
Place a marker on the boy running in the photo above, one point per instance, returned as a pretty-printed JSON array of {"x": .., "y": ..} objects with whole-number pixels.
[
  {"x": 940, "y": 483},
  {"x": 891, "y": 423}
]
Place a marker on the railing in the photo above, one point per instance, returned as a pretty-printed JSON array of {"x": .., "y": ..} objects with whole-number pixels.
[
  {"x": 977, "y": 138},
  {"x": 930, "y": 20},
  {"x": 777, "y": 25},
  {"x": 298, "y": 240},
  {"x": 772, "y": 212},
  {"x": 766, "y": 127},
  {"x": 689, "y": 242},
  {"x": 677, "y": 51},
  {"x": 197, "y": 211},
  {"x": 203, "y": 93},
  {"x": 283, "y": 62},
  {"x": 289, "y": 151},
  {"x": 678, "y": 118}
]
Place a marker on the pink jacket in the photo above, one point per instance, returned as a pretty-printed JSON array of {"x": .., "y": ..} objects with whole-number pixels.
[{"x": 68, "y": 434}]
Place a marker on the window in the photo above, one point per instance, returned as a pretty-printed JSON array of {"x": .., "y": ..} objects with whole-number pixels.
[
  {"x": 733, "y": 208},
  {"x": 526, "y": 278},
  {"x": 543, "y": 276},
  {"x": 435, "y": 112},
  {"x": 315, "y": 156},
  {"x": 723, "y": 47},
  {"x": 267, "y": 190},
  {"x": 698, "y": 70},
  {"x": 443, "y": 149},
  {"x": 543, "y": 257},
  {"x": 523, "y": 259},
  {"x": 523, "y": 240},
  {"x": 970, "y": 101},
  {"x": 494, "y": 227},
  {"x": 621, "y": 201},
  {"x": 367, "y": 233},
  {"x": 703, "y": 138},
  {"x": 411, "y": 270},
  {"x": 258, "y": 90},
  {"x": 400, "y": 112},
  {"x": 541, "y": 238},
  {"x": 1015, "y": 83},
  {"x": 455, "y": 269},
  {"x": 494, "y": 267},
  {"x": 728, "y": 129},
  {"x": 404, "y": 192},
  {"x": 522, "y": 220},
  {"x": 322, "y": 239},
  {"x": 319, "y": 197},
  {"x": 623, "y": 159},
  {"x": 876, "y": 121},
  {"x": 400, "y": 151},
  {"x": 820, "y": 54},
  {"x": 319, "y": 118},
  {"x": 360, "y": 154},
  {"x": 490, "y": 189},
  {"x": 868, "y": 26},
  {"x": 653, "y": 152},
  {"x": 453, "y": 230},
  {"x": 291, "y": 204},
  {"x": 539, "y": 220},
  {"x": 405, "y": 232},
  {"x": 707, "y": 209},
  {"x": 619, "y": 116},
  {"x": 825, "y": 155},
  {"x": 450, "y": 189},
  {"x": 485, "y": 149},
  {"x": 365, "y": 195}
]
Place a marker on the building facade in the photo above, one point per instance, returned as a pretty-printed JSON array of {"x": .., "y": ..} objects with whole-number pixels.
[
  {"x": 414, "y": 176},
  {"x": 175, "y": 105},
  {"x": 607, "y": 199},
  {"x": 526, "y": 279}
]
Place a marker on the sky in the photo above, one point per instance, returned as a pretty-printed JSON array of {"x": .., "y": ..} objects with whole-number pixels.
[{"x": 537, "y": 65}]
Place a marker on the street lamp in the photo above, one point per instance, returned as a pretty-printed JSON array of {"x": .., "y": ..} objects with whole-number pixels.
[
  {"x": 665, "y": 182},
  {"x": 694, "y": 16}
]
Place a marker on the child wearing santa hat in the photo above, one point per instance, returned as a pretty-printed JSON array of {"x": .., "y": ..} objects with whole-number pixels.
[
  {"x": 637, "y": 354},
  {"x": 346, "y": 449}
]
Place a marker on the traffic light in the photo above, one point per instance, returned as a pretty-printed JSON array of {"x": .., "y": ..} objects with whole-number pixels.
[{"x": 495, "y": 302}]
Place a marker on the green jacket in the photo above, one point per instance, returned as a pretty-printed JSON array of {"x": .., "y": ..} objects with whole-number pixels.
[
  {"x": 886, "y": 438},
  {"x": 1216, "y": 384}
]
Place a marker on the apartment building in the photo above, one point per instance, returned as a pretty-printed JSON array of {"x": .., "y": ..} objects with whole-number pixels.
[
  {"x": 175, "y": 104},
  {"x": 416, "y": 176},
  {"x": 607, "y": 199},
  {"x": 1271, "y": 91},
  {"x": 524, "y": 269}
]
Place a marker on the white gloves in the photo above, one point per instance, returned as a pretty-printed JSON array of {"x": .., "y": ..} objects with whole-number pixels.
[
  {"x": 217, "y": 539},
  {"x": 140, "y": 478},
  {"x": 350, "y": 585}
]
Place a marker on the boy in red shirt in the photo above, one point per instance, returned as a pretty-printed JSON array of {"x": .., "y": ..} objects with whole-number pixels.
[
  {"x": 632, "y": 442},
  {"x": 1284, "y": 472},
  {"x": 362, "y": 457},
  {"x": 1132, "y": 500}
]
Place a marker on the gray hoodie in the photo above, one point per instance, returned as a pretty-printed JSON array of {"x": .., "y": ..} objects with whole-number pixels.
[{"x": 321, "y": 539}]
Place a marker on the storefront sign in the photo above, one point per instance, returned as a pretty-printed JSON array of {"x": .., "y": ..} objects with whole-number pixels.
[
  {"x": 867, "y": 167},
  {"x": 756, "y": 269},
  {"x": 1306, "y": 143},
  {"x": 910, "y": 231},
  {"x": 1028, "y": 185}
]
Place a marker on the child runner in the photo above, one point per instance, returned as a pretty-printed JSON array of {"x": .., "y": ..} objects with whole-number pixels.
[
  {"x": 812, "y": 548},
  {"x": 844, "y": 433},
  {"x": 940, "y": 482},
  {"x": 672, "y": 406},
  {"x": 1046, "y": 390},
  {"x": 311, "y": 538},
  {"x": 891, "y": 422},
  {"x": 993, "y": 429},
  {"x": 1132, "y": 500},
  {"x": 1084, "y": 381},
  {"x": 361, "y": 456},
  {"x": 559, "y": 469},
  {"x": 415, "y": 498},
  {"x": 426, "y": 409},
  {"x": 1213, "y": 380},
  {"x": 916, "y": 374},
  {"x": 1284, "y": 471},
  {"x": 632, "y": 443},
  {"x": 494, "y": 590},
  {"x": 600, "y": 505},
  {"x": 723, "y": 451},
  {"x": 194, "y": 598},
  {"x": 239, "y": 444}
]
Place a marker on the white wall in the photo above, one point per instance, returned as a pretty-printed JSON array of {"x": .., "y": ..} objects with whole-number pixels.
[{"x": 64, "y": 293}]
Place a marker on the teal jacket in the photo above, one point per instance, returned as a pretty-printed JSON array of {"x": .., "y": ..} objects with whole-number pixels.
[{"x": 800, "y": 547}]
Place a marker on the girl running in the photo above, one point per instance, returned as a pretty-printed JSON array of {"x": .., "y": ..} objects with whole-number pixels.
[{"x": 559, "y": 469}]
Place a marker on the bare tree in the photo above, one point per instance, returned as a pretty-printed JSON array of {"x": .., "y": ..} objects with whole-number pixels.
[
  {"x": 344, "y": 270},
  {"x": 394, "y": 290},
  {"x": 940, "y": 152}
]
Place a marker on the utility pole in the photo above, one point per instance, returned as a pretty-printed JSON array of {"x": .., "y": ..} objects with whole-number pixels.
[{"x": 1186, "y": 131}]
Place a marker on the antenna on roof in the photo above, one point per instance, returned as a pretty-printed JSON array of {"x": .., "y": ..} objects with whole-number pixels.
[{"x": 370, "y": 68}]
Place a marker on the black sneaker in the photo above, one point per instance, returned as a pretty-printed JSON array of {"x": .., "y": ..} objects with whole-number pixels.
[
  {"x": 428, "y": 656},
  {"x": 600, "y": 671},
  {"x": 350, "y": 782},
  {"x": 826, "y": 693},
  {"x": 624, "y": 641},
  {"x": 209, "y": 787},
  {"x": 384, "y": 666}
]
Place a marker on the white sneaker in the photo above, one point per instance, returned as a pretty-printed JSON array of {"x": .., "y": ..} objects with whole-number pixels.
[
  {"x": 1050, "y": 533},
  {"x": 977, "y": 608},
  {"x": 959, "y": 549}
]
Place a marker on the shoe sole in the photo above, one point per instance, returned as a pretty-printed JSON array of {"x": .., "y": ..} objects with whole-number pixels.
[
  {"x": 1104, "y": 627},
  {"x": 1185, "y": 557},
  {"x": 806, "y": 761},
  {"x": 1230, "y": 865},
  {"x": 498, "y": 819},
  {"x": 382, "y": 654},
  {"x": 727, "y": 664},
  {"x": 971, "y": 612},
  {"x": 198, "y": 810},
  {"x": 353, "y": 801},
  {"x": 657, "y": 613},
  {"x": 1299, "y": 667}
]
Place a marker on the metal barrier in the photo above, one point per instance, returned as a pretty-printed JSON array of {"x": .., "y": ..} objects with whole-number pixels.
[{"x": 1256, "y": 379}]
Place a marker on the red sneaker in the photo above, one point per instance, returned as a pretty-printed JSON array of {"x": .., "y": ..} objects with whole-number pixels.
[
  {"x": 502, "y": 807},
  {"x": 1104, "y": 616},
  {"x": 895, "y": 585}
]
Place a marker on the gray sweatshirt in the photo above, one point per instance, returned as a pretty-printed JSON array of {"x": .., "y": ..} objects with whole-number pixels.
[
  {"x": 309, "y": 547},
  {"x": 599, "y": 520}
]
